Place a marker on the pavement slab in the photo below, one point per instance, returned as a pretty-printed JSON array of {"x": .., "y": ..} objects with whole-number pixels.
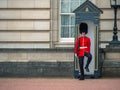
[{"x": 59, "y": 84}]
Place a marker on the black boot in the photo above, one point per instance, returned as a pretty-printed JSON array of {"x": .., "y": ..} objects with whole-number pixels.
[
  {"x": 87, "y": 69},
  {"x": 81, "y": 77}
]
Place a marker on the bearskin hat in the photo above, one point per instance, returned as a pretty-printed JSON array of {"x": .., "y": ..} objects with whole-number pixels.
[{"x": 83, "y": 28}]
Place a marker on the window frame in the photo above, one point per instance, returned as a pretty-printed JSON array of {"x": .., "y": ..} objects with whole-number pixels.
[
  {"x": 72, "y": 38},
  {"x": 62, "y": 39}
]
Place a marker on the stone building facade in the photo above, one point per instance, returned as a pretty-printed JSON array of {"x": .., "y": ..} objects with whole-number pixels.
[{"x": 30, "y": 36}]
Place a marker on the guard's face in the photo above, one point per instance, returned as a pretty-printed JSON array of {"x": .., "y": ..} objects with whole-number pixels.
[{"x": 83, "y": 34}]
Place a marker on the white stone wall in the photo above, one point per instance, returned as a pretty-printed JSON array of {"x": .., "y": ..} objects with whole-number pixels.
[
  {"x": 24, "y": 3},
  {"x": 35, "y": 23},
  {"x": 107, "y": 22},
  {"x": 25, "y": 14},
  {"x": 25, "y": 23}
]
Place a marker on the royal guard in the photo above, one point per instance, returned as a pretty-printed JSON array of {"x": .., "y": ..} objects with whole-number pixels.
[{"x": 82, "y": 49}]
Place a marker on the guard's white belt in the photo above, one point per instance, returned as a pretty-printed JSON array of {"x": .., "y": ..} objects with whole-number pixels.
[{"x": 82, "y": 47}]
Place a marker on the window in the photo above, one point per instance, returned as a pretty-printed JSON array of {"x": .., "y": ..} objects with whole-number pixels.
[{"x": 68, "y": 18}]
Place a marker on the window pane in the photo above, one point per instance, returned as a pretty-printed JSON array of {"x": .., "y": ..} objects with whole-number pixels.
[
  {"x": 65, "y": 6},
  {"x": 73, "y": 20},
  {"x": 74, "y": 5},
  {"x": 72, "y": 32},
  {"x": 65, "y": 20},
  {"x": 65, "y": 32}
]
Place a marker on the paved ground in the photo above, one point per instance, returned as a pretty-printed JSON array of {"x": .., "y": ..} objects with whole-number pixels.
[{"x": 58, "y": 84}]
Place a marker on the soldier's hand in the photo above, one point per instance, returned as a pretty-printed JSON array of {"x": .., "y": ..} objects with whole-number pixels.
[{"x": 76, "y": 55}]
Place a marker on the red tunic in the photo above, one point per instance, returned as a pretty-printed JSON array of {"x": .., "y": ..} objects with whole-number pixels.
[{"x": 82, "y": 45}]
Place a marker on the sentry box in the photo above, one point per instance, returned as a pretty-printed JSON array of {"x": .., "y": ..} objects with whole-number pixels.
[{"x": 90, "y": 14}]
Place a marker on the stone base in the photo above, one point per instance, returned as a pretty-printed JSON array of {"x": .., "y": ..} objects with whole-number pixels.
[
  {"x": 56, "y": 62},
  {"x": 111, "y": 62},
  {"x": 36, "y": 69},
  {"x": 111, "y": 68},
  {"x": 111, "y": 72}
]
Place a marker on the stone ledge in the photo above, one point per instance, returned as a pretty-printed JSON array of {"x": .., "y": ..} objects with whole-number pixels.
[
  {"x": 38, "y": 49},
  {"x": 110, "y": 49}
]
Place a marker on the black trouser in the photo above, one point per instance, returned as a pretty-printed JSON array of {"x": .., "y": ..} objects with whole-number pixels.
[{"x": 81, "y": 62}]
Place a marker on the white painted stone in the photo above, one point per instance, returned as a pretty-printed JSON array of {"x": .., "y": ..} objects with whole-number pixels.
[
  {"x": 35, "y": 14},
  {"x": 3, "y": 25},
  {"x": 103, "y": 4},
  {"x": 42, "y": 25},
  {"x": 107, "y": 36},
  {"x": 93, "y": 1},
  {"x": 106, "y": 25},
  {"x": 24, "y": 14},
  {"x": 20, "y": 25},
  {"x": 55, "y": 4},
  {"x": 113, "y": 56},
  {"x": 55, "y": 25},
  {"x": 20, "y": 3},
  {"x": 55, "y": 35},
  {"x": 10, "y": 14},
  {"x": 35, "y": 36},
  {"x": 50, "y": 56},
  {"x": 65, "y": 44},
  {"x": 9, "y": 36},
  {"x": 103, "y": 45},
  {"x": 3, "y": 3},
  {"x": 43, "y": 14},
  {"x": 41, "y": 45},
  {"x": 45, "y": 56},
  {"x": 108, "y": 14},
  {"x": 42, "y": 3},
  {"x": 25, "y": 25}
]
